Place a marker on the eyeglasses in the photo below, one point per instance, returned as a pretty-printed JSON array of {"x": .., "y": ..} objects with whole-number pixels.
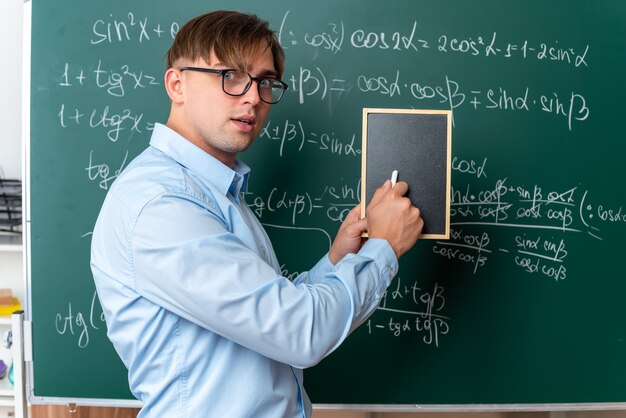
[{"x": 237, "y": 83}]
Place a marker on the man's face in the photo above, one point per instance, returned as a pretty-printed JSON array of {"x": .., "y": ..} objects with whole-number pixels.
[{"x": 221, "y": 124}]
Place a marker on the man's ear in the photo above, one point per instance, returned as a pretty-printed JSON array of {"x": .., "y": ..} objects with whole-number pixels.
[{"x": 174, "y": 85}]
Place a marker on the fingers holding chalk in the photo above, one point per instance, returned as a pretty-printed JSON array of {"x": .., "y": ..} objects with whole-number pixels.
[{"x": 400, "y": 188}]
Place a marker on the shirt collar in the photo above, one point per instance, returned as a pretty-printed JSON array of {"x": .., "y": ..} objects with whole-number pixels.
[{"x": 200, "y": 162}]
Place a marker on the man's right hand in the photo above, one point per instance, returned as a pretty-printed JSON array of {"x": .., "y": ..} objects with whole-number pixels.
[{"x": 391, "y": 216}]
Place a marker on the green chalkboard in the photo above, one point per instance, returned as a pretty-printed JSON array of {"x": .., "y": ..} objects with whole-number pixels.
[{"x": 524, "y": 304}]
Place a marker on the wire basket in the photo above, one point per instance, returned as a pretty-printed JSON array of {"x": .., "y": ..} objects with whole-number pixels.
[{"x": 11, "y": 205}]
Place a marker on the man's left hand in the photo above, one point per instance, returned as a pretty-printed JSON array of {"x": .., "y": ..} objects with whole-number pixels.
[{"x": 348, "y": 239}]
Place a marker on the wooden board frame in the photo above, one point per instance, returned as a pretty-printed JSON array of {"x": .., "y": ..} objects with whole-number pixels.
[{"x": 445, "y": 234}]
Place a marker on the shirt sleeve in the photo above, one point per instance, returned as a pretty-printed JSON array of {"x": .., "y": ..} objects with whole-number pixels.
[
  {"x": 185, "y": 259},
  {"x": 374, "y": 249},
  {"x": 320, "y": 269}
]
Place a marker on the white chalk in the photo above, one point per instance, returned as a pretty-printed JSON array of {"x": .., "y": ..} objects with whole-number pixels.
[{"x": 394, "y": 177}]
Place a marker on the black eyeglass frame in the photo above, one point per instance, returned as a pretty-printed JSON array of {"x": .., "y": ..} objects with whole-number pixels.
[{"x": 223, "y": 72}]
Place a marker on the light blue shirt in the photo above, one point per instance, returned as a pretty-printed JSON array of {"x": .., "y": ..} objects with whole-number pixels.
[{"x": 194, "y": 300}]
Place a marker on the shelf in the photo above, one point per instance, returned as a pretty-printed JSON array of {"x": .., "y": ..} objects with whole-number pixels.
[
  {"x": 6, "y": 389},
  {"x": 5, "y": 320},
  {"x": 6, "y": 401},
  {"x": 10, "y": 242}
]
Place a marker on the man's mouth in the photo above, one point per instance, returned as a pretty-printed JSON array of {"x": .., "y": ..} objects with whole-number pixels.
[
  {"x": 246, "y": 120},
  {"x": 245, "y": 123}
]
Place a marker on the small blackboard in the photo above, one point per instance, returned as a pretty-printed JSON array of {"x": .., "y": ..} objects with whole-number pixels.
[{"x": 417, "y": 143}]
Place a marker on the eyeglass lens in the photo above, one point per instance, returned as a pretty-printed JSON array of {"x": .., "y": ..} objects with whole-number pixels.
[{"x": 237, "y": 83}]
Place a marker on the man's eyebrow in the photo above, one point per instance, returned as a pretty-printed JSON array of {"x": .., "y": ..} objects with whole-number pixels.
[
  {"x": 219, "y": 64},
  {"x": 268, "y": 73}
]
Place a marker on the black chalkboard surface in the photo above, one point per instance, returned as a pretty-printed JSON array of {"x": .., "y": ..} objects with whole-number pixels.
[
  {"x": 417, "y": 145},
  {"x": 523, "y": 305}
]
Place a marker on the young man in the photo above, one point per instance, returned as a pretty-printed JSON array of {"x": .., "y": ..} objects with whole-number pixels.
[{"x": 190, "y": 286}]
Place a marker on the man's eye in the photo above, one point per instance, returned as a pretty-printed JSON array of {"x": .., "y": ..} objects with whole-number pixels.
[
  {"x": 231, "y": 76},
  {"x": 266, "y": 83}
]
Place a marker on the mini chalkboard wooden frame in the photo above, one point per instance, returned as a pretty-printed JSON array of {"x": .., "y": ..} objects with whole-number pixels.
[{"x": 418, "y": 144}]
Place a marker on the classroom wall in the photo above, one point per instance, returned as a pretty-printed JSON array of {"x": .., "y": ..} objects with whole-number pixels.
[
  {"x": 11, "y": 76},
  {"x": 10, "y": 167},
  {"x": 10, "y": 138},
  {"x": 10, "y": 123}
]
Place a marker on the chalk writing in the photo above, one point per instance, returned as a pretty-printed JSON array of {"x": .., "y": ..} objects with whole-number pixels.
[
  {"x": 102, "y": 172},
  {"x": 518, "y": 206},
  {"x": 541, "y": 255},
  {"x": 570, "y": 106},
  {"x": 465, "y": 247},
  {"x": 398, "y": 41},
  {"x": 287, "y": 132},
  {"x": 310, "y": 82},
  {"x": 76, "y": 324},
  {"x": 410, "y": 39},
  {"x": 334, "y": 202},
  {"x": 115, "y": 82},
  {"x": 426, "y": 321},
  {"x": 487, "y": 46},
  {"x": 470, "y": 167},
  {"x": 331, "y": 40},
  {"x": 111, "y": 122},
  {"x": 573, "y": 108},
  {"x": 129, "y": 28}
]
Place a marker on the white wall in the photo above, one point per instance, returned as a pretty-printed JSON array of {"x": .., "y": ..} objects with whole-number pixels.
[
  {"x": 11, "y": 15},
  {"x": 11, "y": 91}
]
